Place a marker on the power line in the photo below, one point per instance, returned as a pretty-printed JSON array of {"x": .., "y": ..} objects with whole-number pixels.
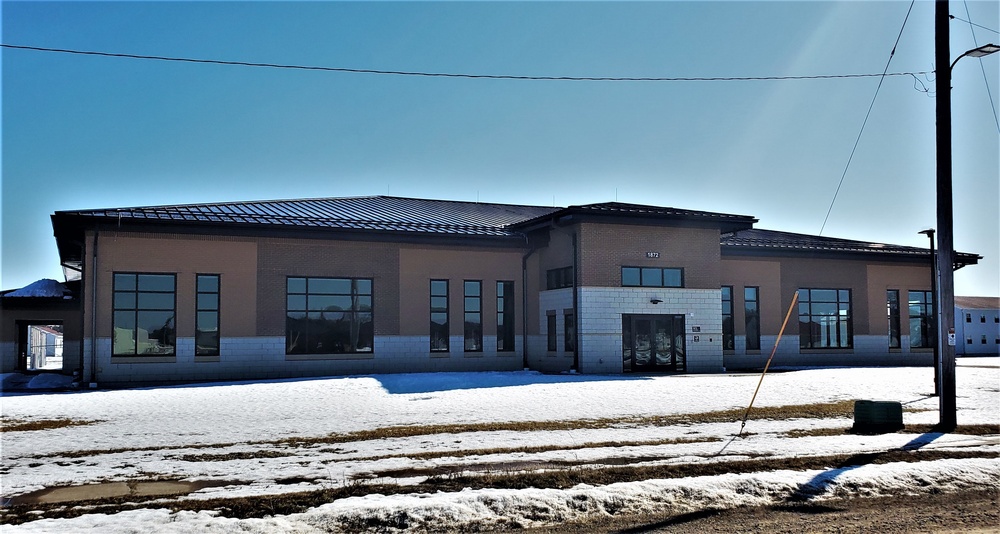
[
  {"x": 970, "y": 22},
  {"x": 863, "y": 124},
  {"x": 986, "y": 78},
  {"x": 461, "y": 75}
]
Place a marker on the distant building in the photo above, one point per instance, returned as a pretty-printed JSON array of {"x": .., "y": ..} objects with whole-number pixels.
[
  {"x": 292, "y": 288},
  {"x": 977, "y": 326}
]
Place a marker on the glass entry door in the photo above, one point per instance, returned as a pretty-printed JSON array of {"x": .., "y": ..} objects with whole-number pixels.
[{"x": 653, "y": 343}]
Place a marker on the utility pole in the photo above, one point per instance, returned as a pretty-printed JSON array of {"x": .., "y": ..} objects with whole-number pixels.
[{"x": 945, "y": 216}]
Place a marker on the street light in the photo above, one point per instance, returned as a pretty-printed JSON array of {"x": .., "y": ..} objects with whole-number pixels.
[{"x": 945, "y": 215}]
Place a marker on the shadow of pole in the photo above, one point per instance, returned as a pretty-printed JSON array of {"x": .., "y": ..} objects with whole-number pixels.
[{"x": 821, "y": 482}]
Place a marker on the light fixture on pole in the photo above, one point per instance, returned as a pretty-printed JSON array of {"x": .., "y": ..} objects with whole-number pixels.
[{"x": 945, "y": 214}]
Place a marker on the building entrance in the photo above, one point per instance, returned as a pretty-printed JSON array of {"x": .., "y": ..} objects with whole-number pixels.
[{"x": 653, "y": 343}]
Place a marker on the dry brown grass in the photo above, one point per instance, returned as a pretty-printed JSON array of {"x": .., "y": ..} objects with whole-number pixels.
[
  {"x": 288, "y": 503},
  {"x": 22, "y": 425}
]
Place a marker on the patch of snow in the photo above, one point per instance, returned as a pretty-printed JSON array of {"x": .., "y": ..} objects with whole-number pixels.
[{"x": 497, "y": 508}]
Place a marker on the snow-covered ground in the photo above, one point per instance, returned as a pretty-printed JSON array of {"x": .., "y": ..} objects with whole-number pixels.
[{"x": 155, "y": 432}]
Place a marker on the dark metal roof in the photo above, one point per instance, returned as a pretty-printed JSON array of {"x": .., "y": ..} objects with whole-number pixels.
[
  {"x": 374, "y": 213},
  {"x": 727, "y": 222},
  {"x": 763, "y": 241}
]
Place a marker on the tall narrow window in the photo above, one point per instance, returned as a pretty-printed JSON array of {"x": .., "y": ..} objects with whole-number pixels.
[
  {"x": 892, "y": 311},
  {"x": 329, "y": 316},
  {"x": 144, "y": 314},
  {"x": 551, "y": 332},
  {"x": 569, "y": 332},
  {"x": 751, "y": 306},
  {"x": 473, "y": 316},
  {"x": 825, "y": 319},
  {"x": 206, "y": 334},
  {"x": 921, "y": 319},
  {"x": 505, "y": 316},
  {"x": 728, "y": 334},
  {"x": 439, "y": 316}
]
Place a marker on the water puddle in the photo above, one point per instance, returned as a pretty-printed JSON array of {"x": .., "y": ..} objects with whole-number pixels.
[{"x": 105, "y": 490}]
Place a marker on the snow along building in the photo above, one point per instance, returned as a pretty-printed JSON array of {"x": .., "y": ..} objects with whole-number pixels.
[{"x": 382, "y": 284}]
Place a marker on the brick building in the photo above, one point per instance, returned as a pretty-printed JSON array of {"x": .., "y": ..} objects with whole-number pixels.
[{"x": 385, "y": 284}]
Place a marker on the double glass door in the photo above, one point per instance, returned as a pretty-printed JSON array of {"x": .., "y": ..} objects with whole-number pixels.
[{"x": 653, "y": 343}]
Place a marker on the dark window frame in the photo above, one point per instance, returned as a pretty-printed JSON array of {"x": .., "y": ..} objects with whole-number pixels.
[
  {"x": 559, "y": 278},
  {"x": 165, "y": 343},
  {"x": 473, "y": 329},
  {"x": 203, "y": 348},
  {"x": 728, "y": 324},
  {"x": 438, "y": 342},
  {"x": 360, "y": 333},
  {"x": 550, "y": 334},
  {"x": 569, "y": 331},
  {"x": 506, "y": 304},
  {"x": 652, "y": 276},
  {"x": 812, "y": 337},
  {"x": 751, "y": 317},
  {"x": 923, "y": 338},
  {"x": 893, "y": 316}
]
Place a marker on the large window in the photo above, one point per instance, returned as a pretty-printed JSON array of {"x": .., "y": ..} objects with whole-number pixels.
[
  {"x": 892, "y": 310},
  {"x": 559, "y": 278},
  {"x": 751, "y": 307},
  {"x": 329, "y": 316},
  {"x": 473, "y": 316},
  {"x": 728, "y": 334},
  {"x": 652, "y": 277},
  {"x": 144, "y": 314},
  {"x": 439, "y": 316},
  {"x": 921, "y": 319},
  {"x": 206, "y": 325},
  {"x": 505, "y": 316},
  {"x": 825, "y": 319}
]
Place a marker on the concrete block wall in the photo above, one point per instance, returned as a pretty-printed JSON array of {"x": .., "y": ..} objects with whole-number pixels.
[
  {"x": 264, "y": 358},
  {"x": 868, "y": 351},
  {"x": 8, "y": 356},
  {"x": 600, "y": 323},
  {"x": 539, "y": 356}
]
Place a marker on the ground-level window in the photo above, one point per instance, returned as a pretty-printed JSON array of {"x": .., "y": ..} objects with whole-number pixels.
[
  {"x": 552, "y": 345},
  {"x": 751, "y": 306},
  {"x": 728, "y": 334},
  {"x": 505, "y": 316},
  {"x": 825, "y": 319},
  {"x": 439, "y": 316},
  {"x": 329, "y": 316},
  {"x": 569, "y": 332},
  {"x": 473, "y": 316},
  {"x": 892, "y": 312},
  {"x": 206, "y": 324},
  {"x": 984, "y": 339},
  {"x": 921, "y": 319},
  {"x": 144, "y": 314},
  {"x": 652, "y": 277}
]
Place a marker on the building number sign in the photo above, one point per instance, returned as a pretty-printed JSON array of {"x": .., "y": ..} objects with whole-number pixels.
[{"x": 652, "y": 254}]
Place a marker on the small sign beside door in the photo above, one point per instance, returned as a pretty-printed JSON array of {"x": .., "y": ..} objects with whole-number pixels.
[{"x": 652, "y": 254}]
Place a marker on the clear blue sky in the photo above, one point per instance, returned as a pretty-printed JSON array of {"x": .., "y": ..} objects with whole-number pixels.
[{"x": 90, "y": 132}]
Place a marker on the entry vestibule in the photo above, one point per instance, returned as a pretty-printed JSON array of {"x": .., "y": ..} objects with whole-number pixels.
[{"x": 653, "y": 343}]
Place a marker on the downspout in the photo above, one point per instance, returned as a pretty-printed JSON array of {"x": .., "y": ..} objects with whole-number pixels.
[
  {"x": 93, "y": 316},
  {"x": 524, "y": 301},
  {"x": 576, "y": 304}
]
